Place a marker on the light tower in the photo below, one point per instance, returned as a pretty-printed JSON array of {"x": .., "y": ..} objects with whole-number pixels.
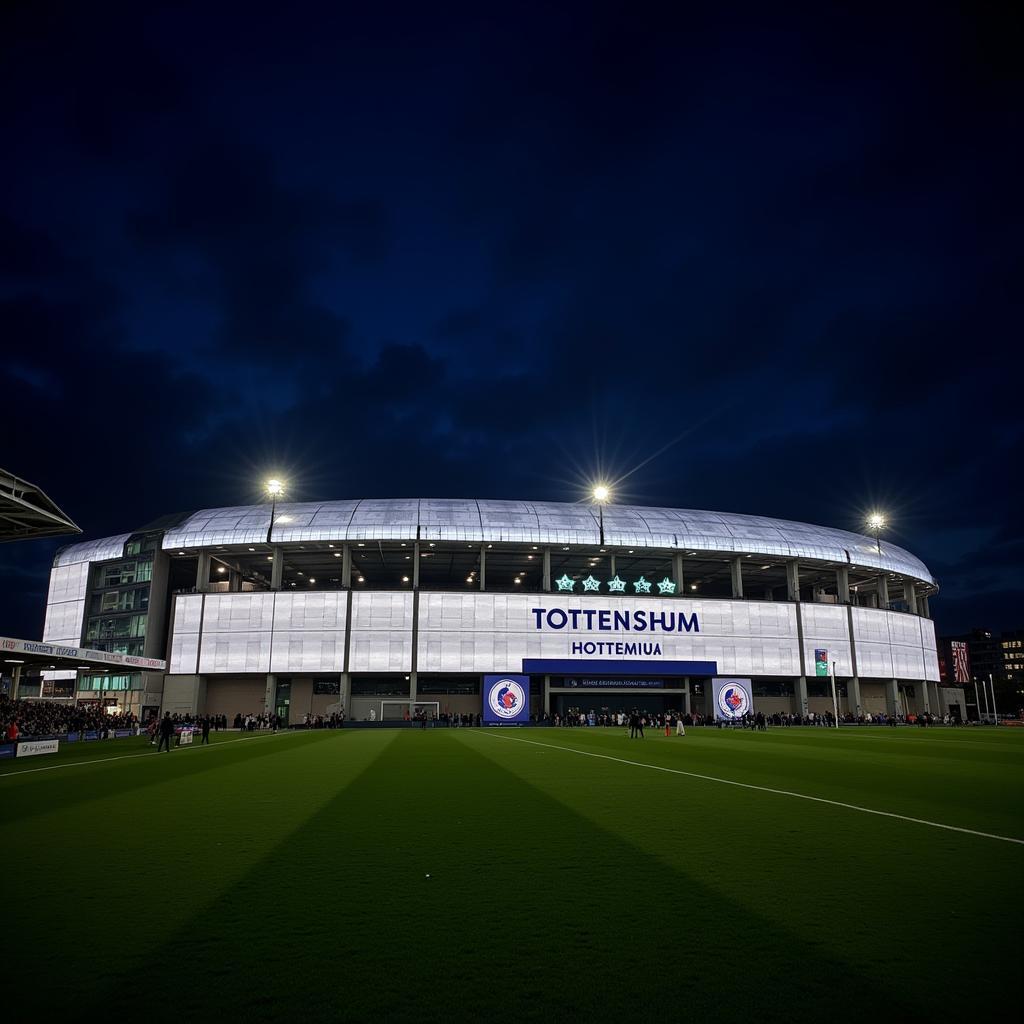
[
  {"x": 602, "y": 495},
  {"x": 876, "y": 523},
  {"x": 275, "y": 490}
]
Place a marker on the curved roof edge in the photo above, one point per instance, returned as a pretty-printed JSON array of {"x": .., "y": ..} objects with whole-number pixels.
[{"x": 539, "y": 522}]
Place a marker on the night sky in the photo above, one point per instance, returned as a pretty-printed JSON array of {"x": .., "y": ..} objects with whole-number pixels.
[{"x": 754, "y": 263}]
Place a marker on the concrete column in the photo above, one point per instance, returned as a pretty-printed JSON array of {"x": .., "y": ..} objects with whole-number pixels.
[
  {"x": 547, "y": 695},
  {"x": 612, "y": 566},
  {"x": 686, "y": 695},
  {"x": 883, "y": 591},
  {"x": 800, "y": 691},
  {"x": 277, "y": 569},
  {"x": 923, "y": 606},
  {"x": 926, "y": 703},
  {"x": 270, "y": 698},
  {"x": 792, "y": 581},
  {"x": 843, "y": 584},
  {"x": 416, "y": 566},
  {"x": 909, "y": 596},
  {"x": 346, "y": 566},
  {"x": 415, "y": 644},
  {"x": 16, "y": 683},
  {"x": 546, "y": 582},
  {"x": 345, "y": 693},
  {"x": 853, "y": 701},
  {"x": 203, "y": 572},
  {"x": 677, "y": 571},
  {"x": 483, "y": 568},
  {"x": 737, "y": 577},
  {"x": 892, "y": 698}
]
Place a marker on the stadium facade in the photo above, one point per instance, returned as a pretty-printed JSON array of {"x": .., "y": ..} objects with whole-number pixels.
[{"x": 380, "y": 606}]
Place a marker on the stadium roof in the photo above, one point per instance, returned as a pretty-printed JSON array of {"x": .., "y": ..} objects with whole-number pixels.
[
  {"x": 538, "y": 522},
  {"x": 26, "y": 513},
  {"x": 64, "y": 656}
]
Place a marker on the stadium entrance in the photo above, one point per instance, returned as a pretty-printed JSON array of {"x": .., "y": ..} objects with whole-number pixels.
[
  {"x": 651, "y": 693},
  {"x": 652, "y": 701}
]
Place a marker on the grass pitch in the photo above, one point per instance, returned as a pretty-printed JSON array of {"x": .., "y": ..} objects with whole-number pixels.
[{"x": 467, "y": 874}]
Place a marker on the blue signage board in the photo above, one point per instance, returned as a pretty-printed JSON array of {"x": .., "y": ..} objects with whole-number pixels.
[
  {"x": 586, "y": 683},
  {"x": 732, "y": 697},
  {"x": 506, "y": 699}
]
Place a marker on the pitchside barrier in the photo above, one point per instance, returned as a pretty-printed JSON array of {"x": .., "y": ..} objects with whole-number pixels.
[{"x": 33, "y": 746}]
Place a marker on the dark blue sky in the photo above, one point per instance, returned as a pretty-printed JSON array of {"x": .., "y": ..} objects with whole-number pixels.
[{"x": 465, "y": 252}]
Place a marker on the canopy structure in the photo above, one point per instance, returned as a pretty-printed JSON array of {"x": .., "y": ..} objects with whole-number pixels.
[{"x": 26, "y": 513}]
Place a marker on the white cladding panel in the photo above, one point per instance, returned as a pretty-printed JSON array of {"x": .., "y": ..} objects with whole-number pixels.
[
  {"x": 309, "y": 632},
  {"x": 68, "y": 582},
  {"x": 188, "y": 613},
  {"x": 235, "y": 652},
  {"x": 63, "y": 623},
  {"x": 495, "y": 632},
  {"x": 259, "y": 632},
  {"x": 931, "y": 653},
  {"x": 314, "y": 651},
  {"x": 381, "y": 632},
  {"x": 238, "y": 613},
  {"x": 893, "y": 645},
  {"x": 826, "y": 628},
  {"x": 65, "y": 603}
]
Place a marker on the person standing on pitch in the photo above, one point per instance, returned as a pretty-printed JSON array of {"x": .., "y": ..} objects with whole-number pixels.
[
  {"x": 680, "y": 730},
  {"x": 206, "y": 729},
  {"x": 166, "y": 732}
]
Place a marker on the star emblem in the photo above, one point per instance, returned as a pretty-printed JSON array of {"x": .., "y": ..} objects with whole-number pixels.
[
  {"x": 617, "y": 585},
  {"x": 642, "y": 586},
  {"x": 666, "y": 586},
  {"x": 565, "y": 583},
  {"x": 591, "y": 584}
]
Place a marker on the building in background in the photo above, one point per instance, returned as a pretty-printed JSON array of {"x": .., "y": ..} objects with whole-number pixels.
[
  {"x": 388, "y": 606},
  {"x": 991, "y": 658}
]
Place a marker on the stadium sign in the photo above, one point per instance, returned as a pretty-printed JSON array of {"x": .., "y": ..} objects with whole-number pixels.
[
  {"x": 640, "y": 620},
  {"x": 732, "y": 698},
  {"x": 35, "y": 747},
  {"x": 612, "y": 684},
  {"x": 9, "y": 645},
  {"x": 506, "y": 699}
]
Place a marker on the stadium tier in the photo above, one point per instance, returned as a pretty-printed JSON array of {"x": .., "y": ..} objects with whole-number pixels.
[{"x": 383, "y": 607}]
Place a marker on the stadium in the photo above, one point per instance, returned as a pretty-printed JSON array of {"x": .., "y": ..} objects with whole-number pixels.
[
  {"x": 389, "y": 609},
  {"x": 436, "y": 873}
]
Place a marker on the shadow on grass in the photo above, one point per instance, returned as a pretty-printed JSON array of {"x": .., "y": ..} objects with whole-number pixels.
[
  {"x": 25, "y": 797},
  {"x": 439, "y": 886}
]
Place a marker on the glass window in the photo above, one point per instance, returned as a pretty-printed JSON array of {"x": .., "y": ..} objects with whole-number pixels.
[
  {"x": 393, "y": 686},
  {"x": 464, "y": 687}
]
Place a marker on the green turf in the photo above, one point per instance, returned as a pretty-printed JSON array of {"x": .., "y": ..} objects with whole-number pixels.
[{"x": 286, "y": 877}]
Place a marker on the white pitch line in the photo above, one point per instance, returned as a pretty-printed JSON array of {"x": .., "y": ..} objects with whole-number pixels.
[
  {"x": 763, "y": 789},
  {"x": 126, "y": 757}
]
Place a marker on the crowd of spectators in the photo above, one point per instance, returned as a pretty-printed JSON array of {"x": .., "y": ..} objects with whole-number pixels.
[
  {"x": 26, "y": 718},
  {"x": 332, "y": 721},
  {"x": 577, "y": 718}
]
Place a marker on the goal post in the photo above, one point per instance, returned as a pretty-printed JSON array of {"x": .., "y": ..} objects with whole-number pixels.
[{"x": 395, "y": 710}]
